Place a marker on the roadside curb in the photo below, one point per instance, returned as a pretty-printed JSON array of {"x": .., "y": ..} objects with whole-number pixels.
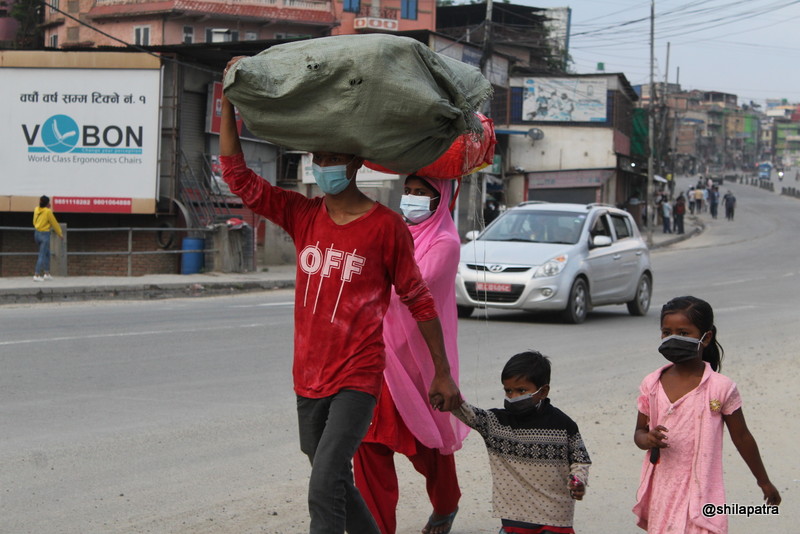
[
  {"x": 137, "y": 291},
  {"x": 699, "y": 227}
]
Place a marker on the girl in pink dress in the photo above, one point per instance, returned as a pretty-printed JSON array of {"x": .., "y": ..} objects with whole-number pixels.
[{"x": 682, "y": 408}]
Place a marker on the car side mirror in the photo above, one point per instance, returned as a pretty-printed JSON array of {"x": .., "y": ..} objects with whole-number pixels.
[
  {"x": 601, "y": 241},
  {"x": 472, "y": 235}
]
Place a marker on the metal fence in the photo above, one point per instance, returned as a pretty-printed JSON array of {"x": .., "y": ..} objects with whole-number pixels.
[{"x": 130, "y": 253}]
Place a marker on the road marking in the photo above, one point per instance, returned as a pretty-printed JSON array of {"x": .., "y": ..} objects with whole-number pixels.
[
  {"x": 127, "y": 334},
  {"x": 263, "y": 305},
  {"x": 733, "y": 308},
  {"x": 732, "y": 282}
]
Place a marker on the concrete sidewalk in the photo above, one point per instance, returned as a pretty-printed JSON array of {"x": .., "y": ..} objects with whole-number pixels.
[
  {"x": 23, "y": 290},
  {"x": 20, "y": 290}
]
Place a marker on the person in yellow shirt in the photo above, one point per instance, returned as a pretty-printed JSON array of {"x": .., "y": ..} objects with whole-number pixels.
[{"x": 44, "y": 222}]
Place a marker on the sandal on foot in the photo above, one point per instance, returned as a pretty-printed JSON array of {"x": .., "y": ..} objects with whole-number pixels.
[{"x": 446, "y": 520}]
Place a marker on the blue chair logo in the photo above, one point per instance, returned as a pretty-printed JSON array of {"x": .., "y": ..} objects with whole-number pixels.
[{"x": 60, "y": 134}]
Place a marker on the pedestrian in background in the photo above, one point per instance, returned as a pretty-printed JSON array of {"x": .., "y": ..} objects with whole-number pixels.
[
  {"x": 44, "y": 222},
  {"x": 404, "y": 421},
  {"x": 679, "y": 211},
  {"x": 713, "y": 201},
  {"x": 730, "y": 204},
  {"x": 683, "y": 408},
  {"x": 690, "y": 196},
  {"x": 666, "y": 215},
  {"x": 698, "y": 200}
]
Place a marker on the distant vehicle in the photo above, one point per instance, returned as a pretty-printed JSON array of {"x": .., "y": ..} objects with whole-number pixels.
[
  {"x": 566, "y": 258},
  {"x": 764, "y": 171}
]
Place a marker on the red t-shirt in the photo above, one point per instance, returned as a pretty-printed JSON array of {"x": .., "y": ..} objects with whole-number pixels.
[{"x": 344, "y": 275}]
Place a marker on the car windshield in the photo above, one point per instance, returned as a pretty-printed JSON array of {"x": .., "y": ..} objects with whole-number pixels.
[{"x": 536, "y": 227}]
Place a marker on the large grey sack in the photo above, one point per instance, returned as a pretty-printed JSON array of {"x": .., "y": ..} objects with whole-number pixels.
[{"x": 388, "y": 99}]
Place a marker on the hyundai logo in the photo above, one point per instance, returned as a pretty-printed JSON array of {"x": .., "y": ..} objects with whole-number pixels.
[{"x": 495, "y": 268}]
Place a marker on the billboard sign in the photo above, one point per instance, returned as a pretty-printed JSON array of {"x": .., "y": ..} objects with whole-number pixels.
[
  {"x": 565, "y": 99},
  {"x": 86, "y": 137}
]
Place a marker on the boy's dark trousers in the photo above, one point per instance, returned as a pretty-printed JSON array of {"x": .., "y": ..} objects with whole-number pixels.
[{"x": 331, "y": 429}]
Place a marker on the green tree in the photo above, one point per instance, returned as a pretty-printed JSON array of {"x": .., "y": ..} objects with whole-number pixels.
[{"x": 29, "y": 15}]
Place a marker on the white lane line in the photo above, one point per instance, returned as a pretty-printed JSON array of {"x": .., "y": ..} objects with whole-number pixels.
[
  {"x": 733, "y": 282},
  {"x": 263, "y": 305},
  {"x": 129, "y": 334},
  {"x": 734, "y": 308}
]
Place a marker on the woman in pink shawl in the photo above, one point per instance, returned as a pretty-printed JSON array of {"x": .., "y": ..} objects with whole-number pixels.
[{"x": 404, "y": 421}]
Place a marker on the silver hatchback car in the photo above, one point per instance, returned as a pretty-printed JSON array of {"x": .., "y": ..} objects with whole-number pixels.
[{"x": 566, "y": 258}]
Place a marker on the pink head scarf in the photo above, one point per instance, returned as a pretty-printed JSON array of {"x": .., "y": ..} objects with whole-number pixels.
[{"x": 409, "y": 369}]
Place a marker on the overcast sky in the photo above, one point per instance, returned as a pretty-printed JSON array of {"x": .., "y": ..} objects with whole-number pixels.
[{"x": 750, "y": 48}]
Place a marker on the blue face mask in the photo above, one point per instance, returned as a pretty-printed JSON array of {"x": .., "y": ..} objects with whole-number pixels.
[
  {"x": 332, "y": 180},
  {"x": 416, "y": 208}
]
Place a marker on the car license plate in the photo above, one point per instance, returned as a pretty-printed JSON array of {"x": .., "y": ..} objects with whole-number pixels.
[{"x": 499, "y": 288}]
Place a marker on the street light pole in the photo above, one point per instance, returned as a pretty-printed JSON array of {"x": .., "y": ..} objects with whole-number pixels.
[{"x": 650, "y": 134}]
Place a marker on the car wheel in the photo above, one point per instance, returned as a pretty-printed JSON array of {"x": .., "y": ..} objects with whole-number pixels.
[
  {"x": 578, "y": 305},
  {"x": 464, "y": 311},
  {"x": 641, "y": 303}
]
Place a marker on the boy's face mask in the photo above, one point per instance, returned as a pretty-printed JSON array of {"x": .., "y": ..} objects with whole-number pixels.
[{"x": 523, "y": 404}]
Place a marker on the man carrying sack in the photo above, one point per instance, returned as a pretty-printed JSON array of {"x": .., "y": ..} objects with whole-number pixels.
[{"x": 351, "y": 253}]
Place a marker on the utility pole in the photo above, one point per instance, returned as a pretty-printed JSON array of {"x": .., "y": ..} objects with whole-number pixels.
[
  {"x": 487, "y": 41},
  {"x": 650, "y": 132},
  {"x": 479, "y": 190},
  {"x": 664, "y": 111}
]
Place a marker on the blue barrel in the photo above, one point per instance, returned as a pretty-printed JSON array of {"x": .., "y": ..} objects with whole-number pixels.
[{"x": 192, "y": 262}]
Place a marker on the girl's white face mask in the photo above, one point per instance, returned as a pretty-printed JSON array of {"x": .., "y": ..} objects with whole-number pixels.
[{"x": 416, "y": 208}]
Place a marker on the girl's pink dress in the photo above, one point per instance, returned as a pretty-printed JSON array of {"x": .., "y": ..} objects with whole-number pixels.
[{"x": 689, "y": 473}]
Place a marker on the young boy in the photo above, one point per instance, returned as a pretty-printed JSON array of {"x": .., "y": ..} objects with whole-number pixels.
[
  {"x": 538, "y": 460},
  {"x": 351, "y": 252}
]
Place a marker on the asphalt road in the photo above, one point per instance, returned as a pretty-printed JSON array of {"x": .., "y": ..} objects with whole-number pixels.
[{"x": 177, "y": 416}]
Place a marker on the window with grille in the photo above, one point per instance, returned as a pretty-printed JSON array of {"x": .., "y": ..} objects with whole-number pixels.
[
  {"x": 141, "y": 35},
  {"x": 221, "y": 35}
]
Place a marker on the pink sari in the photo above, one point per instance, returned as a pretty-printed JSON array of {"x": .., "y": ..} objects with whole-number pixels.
[{"x": 409, "y": 369}]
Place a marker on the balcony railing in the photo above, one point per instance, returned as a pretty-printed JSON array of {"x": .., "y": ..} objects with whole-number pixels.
[{"x": 292, "y": 4}]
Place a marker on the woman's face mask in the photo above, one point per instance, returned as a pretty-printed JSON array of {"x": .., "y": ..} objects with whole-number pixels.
[
  {"x": 416, "y": 208},
  {"x": 332, "y": 180},
  {"x": 679, "y": 349}
]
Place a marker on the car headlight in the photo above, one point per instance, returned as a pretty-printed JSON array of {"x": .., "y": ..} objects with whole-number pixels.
[{"x": 551, "y": 267}]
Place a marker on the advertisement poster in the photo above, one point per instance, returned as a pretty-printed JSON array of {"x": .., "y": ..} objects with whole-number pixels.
[
  {"x": 88, "y": 138},
  {"x": 564, "y": 99}
]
